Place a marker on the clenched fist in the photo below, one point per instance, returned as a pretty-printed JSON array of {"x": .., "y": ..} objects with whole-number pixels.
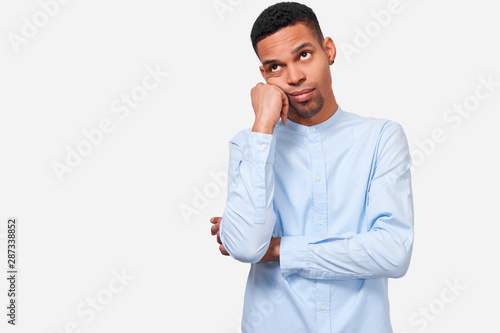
[{"x": 269, "y": 103}]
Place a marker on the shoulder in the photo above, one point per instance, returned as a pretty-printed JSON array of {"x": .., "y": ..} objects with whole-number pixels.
[
  {"x": 364, "y": 123},
  {"x": 371, "y": 127}
]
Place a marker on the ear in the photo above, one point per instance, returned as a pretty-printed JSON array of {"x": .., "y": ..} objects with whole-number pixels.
[
  {"x": 262, "y": 72},
  {"x": 331, "y": 51}
]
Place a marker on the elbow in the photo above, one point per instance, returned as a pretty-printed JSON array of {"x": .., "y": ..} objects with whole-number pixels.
[
  {"x": 244, "y": 250},
  {"x": 244, "y": 241},
  {"x": 246, "y": 254},
  {"x": 400, "y": 270},
  {"x": 394, "y": 267},
  {"x": 400, "y": 262}
]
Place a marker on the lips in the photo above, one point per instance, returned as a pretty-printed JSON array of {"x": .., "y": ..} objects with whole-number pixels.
[{"x": 302, "y": 95}]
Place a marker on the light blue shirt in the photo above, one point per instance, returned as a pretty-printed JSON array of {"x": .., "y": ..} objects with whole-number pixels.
[{"x": 339, "y": 196}]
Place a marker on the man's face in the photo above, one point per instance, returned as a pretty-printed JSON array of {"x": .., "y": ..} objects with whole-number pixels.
[{"x": 294, "y": 60}]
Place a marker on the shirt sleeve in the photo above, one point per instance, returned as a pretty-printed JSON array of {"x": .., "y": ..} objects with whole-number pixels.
[
  {"x": 248, "y": 220},
  {"x": 384, "y": 250}
]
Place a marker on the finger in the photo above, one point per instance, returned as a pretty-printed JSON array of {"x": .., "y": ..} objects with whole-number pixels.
[
  {"x": 214, "y": 229},
  {"x": 222, "y": 250},
  {"x": 216, "y": 219},
  {"x": 285, "y": 107},
  {"x": 218, "y": 238}
]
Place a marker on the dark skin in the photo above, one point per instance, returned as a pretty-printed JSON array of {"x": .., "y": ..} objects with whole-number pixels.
[{"x": 295, "y": 66}]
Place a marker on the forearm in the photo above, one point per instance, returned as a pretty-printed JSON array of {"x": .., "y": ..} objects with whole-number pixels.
[
  {"x": 248, "y": 219},
  {"x": 345, "y": 257}
]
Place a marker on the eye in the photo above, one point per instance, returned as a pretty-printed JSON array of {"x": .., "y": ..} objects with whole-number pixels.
[
  {"x": 305, "y": 55},
  {"x": 275, "y": 68}
]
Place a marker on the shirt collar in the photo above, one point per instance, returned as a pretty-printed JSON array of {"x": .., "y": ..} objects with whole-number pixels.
[{"x": 302, "y": 128}]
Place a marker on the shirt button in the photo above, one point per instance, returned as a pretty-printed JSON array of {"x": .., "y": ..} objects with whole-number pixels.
[
  {"x": 295, "y": 271},
  {"x": 318, "y": 178},
  {"x": 264, "y": 146},
  {"x": 323, "y": 307},
  {"x": 315, "y": 145},
  {"x": 313, "y": 129},
  {"x": 320, "y": 222}
]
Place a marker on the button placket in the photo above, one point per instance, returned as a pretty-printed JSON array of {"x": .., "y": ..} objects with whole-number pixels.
[{"x": 319, "y": 183}]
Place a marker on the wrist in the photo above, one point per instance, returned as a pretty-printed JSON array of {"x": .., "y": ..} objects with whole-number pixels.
[
  {"x": 276, "y": 248},
  {"x": 262, "y": 128},
  {"x": 273, "y": 251}
]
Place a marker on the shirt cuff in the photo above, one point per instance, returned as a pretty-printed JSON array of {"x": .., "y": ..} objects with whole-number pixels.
[
  {"x": 293, "y": 254},
  {"x": 260, "y": 148}
]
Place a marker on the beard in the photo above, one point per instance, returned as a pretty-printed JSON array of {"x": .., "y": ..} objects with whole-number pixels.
[{"x": 308, "y": 108}]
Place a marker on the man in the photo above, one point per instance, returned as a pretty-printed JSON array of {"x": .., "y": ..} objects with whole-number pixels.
[{"x": 319, "y": 199}]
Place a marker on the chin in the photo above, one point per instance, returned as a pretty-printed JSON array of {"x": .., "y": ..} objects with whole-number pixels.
[{"x": 308, "y": 112}]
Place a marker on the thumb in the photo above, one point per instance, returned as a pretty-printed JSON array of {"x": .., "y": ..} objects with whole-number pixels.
[{"x": 285, "y": 107}]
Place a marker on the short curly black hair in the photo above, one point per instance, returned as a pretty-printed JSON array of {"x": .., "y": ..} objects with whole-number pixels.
[{"x": 282, "y": 15}]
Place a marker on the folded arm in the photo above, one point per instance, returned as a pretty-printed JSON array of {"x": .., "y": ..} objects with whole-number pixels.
[
  {"x": 384, "y": 250},
  {"x": 248, "y": 220}
]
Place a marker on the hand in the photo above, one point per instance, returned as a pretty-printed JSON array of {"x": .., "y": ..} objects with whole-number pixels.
[
  {"x": 269, "y": 103},
  {"x": 273, "y": 251},
  {"x": 216, "y": 231}
]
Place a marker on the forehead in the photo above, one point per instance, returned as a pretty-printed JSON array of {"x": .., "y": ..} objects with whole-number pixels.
[{"x": 284, "y": 41}]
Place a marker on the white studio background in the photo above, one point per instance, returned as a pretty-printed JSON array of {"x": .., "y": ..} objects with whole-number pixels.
[{"x": 119, "y": 240}]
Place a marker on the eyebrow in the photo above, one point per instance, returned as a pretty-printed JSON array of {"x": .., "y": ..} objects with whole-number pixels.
[
  {"x": 294, "y": 51},
  {"x": 298, "y": 48}
]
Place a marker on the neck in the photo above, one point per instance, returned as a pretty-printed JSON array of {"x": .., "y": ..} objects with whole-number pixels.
[{"x": 329, "y": 108}]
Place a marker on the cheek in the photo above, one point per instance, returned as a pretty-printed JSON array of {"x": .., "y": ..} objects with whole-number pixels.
[
  {"x": 326, "y": 77},
  {"x": 278, "y": 81}
]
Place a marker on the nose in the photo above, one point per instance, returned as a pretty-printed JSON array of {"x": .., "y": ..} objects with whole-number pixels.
[{"x": 295, "y": 76}]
